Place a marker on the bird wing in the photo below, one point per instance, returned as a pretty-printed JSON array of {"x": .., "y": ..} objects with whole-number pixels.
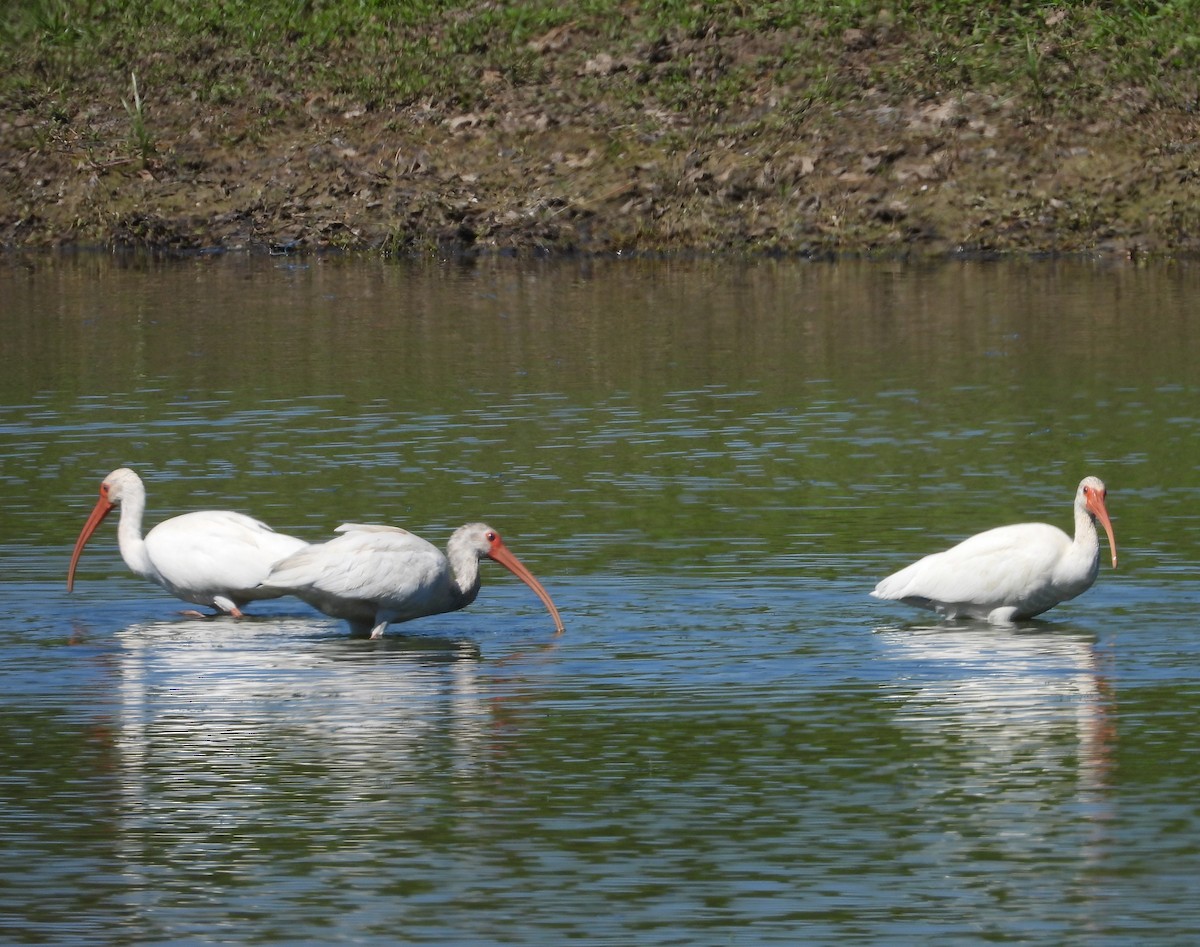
[
  {"x": 216, "y": 551},
  {"x": 997, "y": 567},
  {"x": 372, "y": 528},
  {"x": 364, "y": 563}
]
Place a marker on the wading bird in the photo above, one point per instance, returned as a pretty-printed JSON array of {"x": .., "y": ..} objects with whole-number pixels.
[
  {"x": 1011, "y": 572},
  {"x": 214, "y": 557},
  {"x": 374, "y": 575}
]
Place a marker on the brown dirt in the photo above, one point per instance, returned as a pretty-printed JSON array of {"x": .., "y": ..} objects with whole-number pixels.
[{"x": 548, "y": 168}]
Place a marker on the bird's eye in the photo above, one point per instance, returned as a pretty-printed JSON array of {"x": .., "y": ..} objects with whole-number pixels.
[{"x": 490, "y": 536}]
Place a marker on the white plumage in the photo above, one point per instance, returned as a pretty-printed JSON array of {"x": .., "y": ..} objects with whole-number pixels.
[
  {"x": 214, "y": 557},
  {"x": 375, "y": 575},
  {"x": 1011, "y": 572}
]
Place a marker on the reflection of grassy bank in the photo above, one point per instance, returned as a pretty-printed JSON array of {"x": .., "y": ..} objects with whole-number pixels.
[{"x": 600, "y": 125}]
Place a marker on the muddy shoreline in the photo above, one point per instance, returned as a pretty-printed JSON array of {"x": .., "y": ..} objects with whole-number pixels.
[{"x": 577, "y": 164}]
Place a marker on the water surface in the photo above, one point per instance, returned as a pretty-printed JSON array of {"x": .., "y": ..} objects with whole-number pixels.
[{"x": 708, "y": 466}]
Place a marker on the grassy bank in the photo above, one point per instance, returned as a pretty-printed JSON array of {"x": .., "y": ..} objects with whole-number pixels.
[{"x": 793, "y": 127}]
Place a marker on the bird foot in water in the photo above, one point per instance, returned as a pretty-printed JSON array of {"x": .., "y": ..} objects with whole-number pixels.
[{"x": 193, "y": 613}]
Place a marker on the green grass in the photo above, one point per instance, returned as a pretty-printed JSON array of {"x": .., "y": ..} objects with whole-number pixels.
[
  {"x": 697, "y": 112},
  {"x": 712, "y": 64},
  {"x": 140, "y": 137},
  {"x": 400, "y": 52}
]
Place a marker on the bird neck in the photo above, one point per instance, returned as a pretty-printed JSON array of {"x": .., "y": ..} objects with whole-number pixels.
[
  {"x": 464, "y": 569},
  {"x": 1086, "y": 538},
  {"x": 129, "y": 533}
]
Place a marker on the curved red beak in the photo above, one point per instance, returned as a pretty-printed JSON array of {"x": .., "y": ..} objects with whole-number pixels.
[
  {"x": 1095, "y": 503},
  {"x": 499, "y": 553},
  {"x": 102, "y": 508}
]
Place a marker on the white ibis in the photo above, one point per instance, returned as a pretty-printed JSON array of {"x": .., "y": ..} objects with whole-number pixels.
[
  {"x": 1011, "y": 572},
  {"x": 374, "y": 575},
  {"x": 214, "y": 557}
]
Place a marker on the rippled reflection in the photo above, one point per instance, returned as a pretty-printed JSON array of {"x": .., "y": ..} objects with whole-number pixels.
[
  {"x": 1018, "y": 729},
  {"x": 1008, "y": 696},
  {"x": 267, "y": 748}
]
